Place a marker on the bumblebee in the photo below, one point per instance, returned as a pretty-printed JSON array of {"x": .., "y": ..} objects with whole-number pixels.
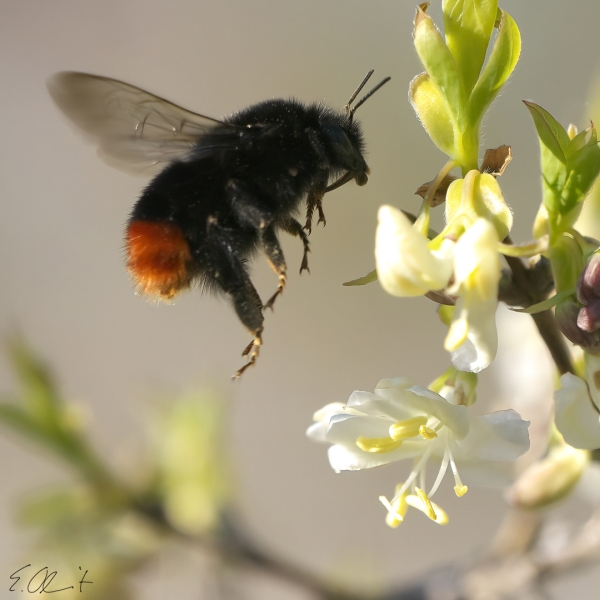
[{"x": 222, "y": 190}]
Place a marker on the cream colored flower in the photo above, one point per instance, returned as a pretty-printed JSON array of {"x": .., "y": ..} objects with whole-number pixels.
[
  {"x": 405, "y": 421},
  {"x": 576, "y": 416},
  {"x": 472, "y": 339},
  {"x": 406, "y": 266}
]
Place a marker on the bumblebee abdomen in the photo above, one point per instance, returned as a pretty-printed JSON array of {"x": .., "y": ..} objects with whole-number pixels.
[{"x": 158, "y": 258}]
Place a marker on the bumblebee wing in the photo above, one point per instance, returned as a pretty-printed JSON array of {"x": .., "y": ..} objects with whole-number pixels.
[{"x": 134, "y": 130}]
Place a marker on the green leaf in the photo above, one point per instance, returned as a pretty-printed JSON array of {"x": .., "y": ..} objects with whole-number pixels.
[
  {"x": 545, "y": 304},
  {"x": 440, "y": 65},
  {"x": 569, "y": 168},
  {"x": 551, "y": 133},
  {"x": 41, "y": 415},
  {"x": 38, "y": 390},
  {"x": 55, "y": 507},
  {"x": 435, "y": 114},
  {"x": 501, "y": 63},
  {"x": 584, "y": 162},
  {"x": 20, "y": 421},
  {"x": 468, "y": 25},
  {"x": 192, "y": 462},
  {"x": 368, "y": 278},
  {"x": 577, "y": 143}
]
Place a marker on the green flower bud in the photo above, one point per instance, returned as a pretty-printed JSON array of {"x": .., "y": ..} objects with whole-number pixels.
[
  {"x": 550, "y": 479},
  {"x": 567, "y": 261}
]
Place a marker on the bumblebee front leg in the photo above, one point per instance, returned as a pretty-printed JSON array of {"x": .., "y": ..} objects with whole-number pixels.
[
  {"x": 316, "y": 195},
  {"x": 314, "y": 200},
  {"x": 294, "y": 228}
]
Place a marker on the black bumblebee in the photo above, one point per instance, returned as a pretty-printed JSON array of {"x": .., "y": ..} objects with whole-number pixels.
[{"x": 223, "y": 189}]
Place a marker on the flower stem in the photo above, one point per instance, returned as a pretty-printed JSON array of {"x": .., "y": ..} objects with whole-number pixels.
[{"x": 544, "y": 321}]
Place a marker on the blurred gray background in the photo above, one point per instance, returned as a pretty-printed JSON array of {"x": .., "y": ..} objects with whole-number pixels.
[{"x": 65, "y": 288}]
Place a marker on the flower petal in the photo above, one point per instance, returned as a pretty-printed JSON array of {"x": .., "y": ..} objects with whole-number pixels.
[
  {"x": 345, "y": 429},
  {"x": 317, "y": 431},
  {"x": 375, "y": 405},
  {"x": 453, "y": 416},
  {"x": 480, "y": 345},
  {"x": 472, "y": 338},
  {"x": 495, "y": 475},
  {"x": 592, "y": 376},
  {"x": 575, "y": 415},
  {"x": 347, "y": 458},
  {"x": 405, "y": 264},
  {"x": 501, "y": 436}
]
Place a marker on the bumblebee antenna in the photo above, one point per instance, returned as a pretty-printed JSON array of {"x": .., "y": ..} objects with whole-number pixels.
[
  {"x": 367, "y": 96},
  {"x": 357, "y": 90},
  {"x": 352, "y": 110}
]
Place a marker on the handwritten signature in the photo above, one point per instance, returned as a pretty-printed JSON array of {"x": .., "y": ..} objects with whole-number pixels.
[{"x": 41, "y": 581}]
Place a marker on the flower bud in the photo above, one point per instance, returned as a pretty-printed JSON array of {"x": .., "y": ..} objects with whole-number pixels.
[
  {"x": 588, "y": 293},
  {"x": 567, "y": 317},
  {"x": 588, "y": 318},
  {"x": 459, "y": 387},
  {"x": 550, "y": 479}
]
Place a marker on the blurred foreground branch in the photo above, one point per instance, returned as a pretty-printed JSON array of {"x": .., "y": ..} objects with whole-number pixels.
[{"x": 185, "y": 494}]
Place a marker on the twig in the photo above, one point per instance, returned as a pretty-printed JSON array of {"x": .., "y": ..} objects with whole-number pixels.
[{"x": 525, "y": 281}]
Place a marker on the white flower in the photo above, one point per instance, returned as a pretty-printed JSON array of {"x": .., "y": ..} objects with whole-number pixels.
[
  {"x": 401, "y": 420},
  {"x": 468, "y": 269},
  {"x": 576, "y": 416},
  {"x": 405, "y": 264},
  {"x": 472, "y": 339},
  {"x": 477, "y": 196}
]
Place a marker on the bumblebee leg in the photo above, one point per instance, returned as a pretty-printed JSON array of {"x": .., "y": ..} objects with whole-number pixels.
[
  {"x": 251, "y": 212},
  {"x": 248, "y": 209},
  {"x": 321, "y": 213},
  {"x": 310, "y": 209},
  {"x": 228, "y": 272},
  {"x": 315, "y": 200},
  {"x": 276, "y": 260},
  {"x": 251, "y": 352},
  {"x": 294, "y": 228}
]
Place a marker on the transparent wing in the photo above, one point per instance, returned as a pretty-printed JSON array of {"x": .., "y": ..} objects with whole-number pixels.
[{"x": 134, "y": 130}]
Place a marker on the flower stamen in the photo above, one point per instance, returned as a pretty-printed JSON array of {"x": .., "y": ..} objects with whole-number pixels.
[
  {"x": 460, "y": 489},
  {"x": 427, "y": 502},
  {"x": 377, "y": 445},
  {"x": 441, "y": 472},
  {"x": 427, "y": 433},
  {"x": 413, "y": 474},
  {"x": 408, "y": 428},
  {"x": 422, "y": 503},
  {"x": 396, "y": 509}
]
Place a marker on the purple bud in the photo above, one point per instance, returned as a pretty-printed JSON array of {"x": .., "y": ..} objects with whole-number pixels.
[
  {"x": 588, "y": 286},
  {"x": 567, "y": 316},
  {"x": 589, "y": 316}
]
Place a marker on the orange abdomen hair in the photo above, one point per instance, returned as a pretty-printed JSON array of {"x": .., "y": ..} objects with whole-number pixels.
[{"x": 158, "y": 258}]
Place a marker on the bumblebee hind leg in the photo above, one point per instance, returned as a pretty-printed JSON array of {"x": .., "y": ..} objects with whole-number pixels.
[
  {"x": 225, "y": 270},
  {"x": 275, "y": 258}
]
